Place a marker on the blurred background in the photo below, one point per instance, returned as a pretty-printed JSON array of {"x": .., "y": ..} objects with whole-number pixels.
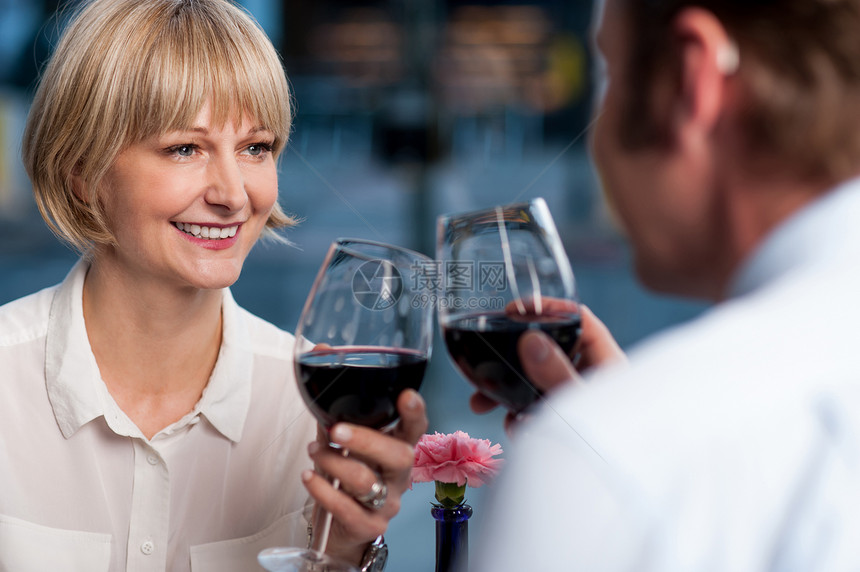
[{"x": 405, "y": 109}]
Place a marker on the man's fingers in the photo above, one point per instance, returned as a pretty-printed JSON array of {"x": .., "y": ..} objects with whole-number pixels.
[
  {"x": 544, "y": 362},
  {"x": 596, "y": 346},
  {"x": 480, "y": 403},
  {"x": 546, "y": 305}
]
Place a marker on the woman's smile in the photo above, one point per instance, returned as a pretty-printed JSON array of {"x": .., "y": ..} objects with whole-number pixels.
[{"x": 212, "y": 236}]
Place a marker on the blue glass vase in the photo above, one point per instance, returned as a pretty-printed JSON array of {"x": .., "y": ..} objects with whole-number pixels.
[{"x": 452, "y": 537}]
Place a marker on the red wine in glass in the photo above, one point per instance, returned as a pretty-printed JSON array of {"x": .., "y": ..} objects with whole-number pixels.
[
  {"x": 484, "y": 349},
  {"x": 504, "y": 271},
  {"x": 364, "y": 336},
  {"x": 358, "y": 384}
]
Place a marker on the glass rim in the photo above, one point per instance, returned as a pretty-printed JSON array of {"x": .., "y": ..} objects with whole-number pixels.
[
  {"x": 537, "y": 202},
  {"x": 343, "y": 243}
]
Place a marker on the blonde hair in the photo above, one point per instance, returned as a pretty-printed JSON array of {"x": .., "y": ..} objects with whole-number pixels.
[{"x": 127, "y": 70}]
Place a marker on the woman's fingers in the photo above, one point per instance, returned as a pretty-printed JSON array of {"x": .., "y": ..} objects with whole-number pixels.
[
  {"x": 413, "y": 417},
  {"x": 352, "y": 526},
  {"x": 358, "y": 478},
  {"x": 374, "y": 459},
  {"x": 378, "y": 466}
]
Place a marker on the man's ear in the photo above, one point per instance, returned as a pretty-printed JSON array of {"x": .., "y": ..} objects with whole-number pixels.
[{"x": 707, "y": 58}]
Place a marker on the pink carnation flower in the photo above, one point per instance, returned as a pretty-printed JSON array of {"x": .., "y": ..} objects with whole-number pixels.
[{"x": 455, "y": 458}]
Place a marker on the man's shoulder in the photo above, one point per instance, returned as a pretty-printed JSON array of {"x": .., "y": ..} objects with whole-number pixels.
[{"x": 719, "y": 387}]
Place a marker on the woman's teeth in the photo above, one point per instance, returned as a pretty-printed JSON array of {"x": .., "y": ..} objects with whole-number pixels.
[{"x": 209, "y": 232}]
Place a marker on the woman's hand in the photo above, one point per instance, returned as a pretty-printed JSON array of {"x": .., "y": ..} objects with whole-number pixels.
[
  {"x": 548, "y": 367},
  {"x": 373, "y": 457}
]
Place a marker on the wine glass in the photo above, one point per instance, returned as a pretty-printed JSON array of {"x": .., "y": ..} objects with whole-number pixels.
[
  {"x": 364, "y": 335},
  {"x": 504, "y": 271}
]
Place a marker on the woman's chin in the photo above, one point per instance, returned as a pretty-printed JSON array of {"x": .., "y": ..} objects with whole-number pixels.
[{"x": 215, "y": 276}]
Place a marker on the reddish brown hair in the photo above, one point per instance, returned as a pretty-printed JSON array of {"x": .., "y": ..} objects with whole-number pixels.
[{"x": 799, "y": 74}]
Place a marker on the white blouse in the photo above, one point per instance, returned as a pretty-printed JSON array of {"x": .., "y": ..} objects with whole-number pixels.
[{"x": 82, "y": 489}]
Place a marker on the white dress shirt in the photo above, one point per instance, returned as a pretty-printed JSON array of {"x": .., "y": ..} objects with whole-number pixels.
[
  {"x": 730, "y": 444},
  {"x": 81, "y": 488}
]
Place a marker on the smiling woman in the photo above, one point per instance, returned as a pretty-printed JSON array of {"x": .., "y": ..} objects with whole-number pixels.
[
  {"x": 181, "y": 60},
  {"x": 172, "y": 414}
]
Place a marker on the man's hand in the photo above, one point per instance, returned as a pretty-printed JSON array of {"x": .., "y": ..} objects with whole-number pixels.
[{"x": 548, "y": 367}]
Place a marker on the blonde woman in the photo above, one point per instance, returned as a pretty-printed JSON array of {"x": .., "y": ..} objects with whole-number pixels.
[{"x": 147, "y": 421}]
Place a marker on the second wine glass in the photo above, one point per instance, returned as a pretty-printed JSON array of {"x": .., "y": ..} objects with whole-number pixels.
[
  {"x": 504, "y": 270},
  {"x": 364, "y": 335}
]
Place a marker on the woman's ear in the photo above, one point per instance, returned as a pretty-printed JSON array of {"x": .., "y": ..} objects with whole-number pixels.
[{"x": 79, "y": 185}]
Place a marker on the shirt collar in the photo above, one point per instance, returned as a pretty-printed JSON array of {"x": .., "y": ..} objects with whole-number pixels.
[
  {"x": 78, "y": 394},
  {"x": 817, "y": 233},
  {"x": 227, "y": 396},
  {"x": 71, "y": 371}
]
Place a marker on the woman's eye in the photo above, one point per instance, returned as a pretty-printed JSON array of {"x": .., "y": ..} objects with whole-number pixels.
[
  {"x": 185, "y": 150},
  {"x": 258, "y": 149}
]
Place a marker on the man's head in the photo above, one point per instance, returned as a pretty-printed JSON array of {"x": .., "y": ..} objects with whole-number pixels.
[
  {"x": 799, "y": 75},
  {"x": 709, "y": 107}
]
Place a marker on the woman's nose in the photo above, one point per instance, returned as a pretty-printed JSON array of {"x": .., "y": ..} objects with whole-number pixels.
[{"x": 226, "y": 184}]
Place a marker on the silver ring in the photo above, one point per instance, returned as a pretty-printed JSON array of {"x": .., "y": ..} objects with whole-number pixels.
[{"x": 375, "y": 499}]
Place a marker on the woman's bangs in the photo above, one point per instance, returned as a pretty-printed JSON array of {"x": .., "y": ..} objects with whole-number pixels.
[{"x": 190, "y": 67}]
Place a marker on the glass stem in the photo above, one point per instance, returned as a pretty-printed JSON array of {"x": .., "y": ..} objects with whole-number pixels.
[{"x": 322, "y": 526}]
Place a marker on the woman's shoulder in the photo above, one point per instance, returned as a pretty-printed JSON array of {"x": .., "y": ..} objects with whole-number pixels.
[
  {"x": 26, "y": 317},
  {"x": 264, "y": 336}
]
